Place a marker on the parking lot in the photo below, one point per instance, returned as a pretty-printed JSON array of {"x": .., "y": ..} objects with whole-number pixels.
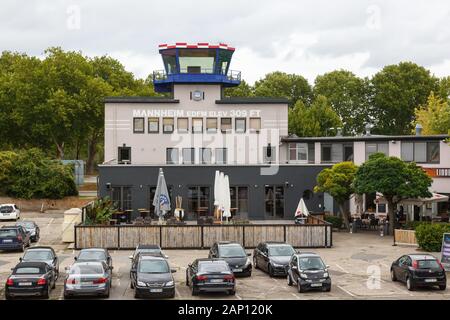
[{"x": 359, "y": 267}]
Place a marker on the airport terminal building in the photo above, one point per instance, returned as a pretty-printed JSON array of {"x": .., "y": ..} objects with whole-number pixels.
[{"x": 196, "y": 131}]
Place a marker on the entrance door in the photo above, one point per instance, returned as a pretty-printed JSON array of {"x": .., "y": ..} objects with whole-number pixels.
[
  {"x": 199, "y": 201},
  {"x": 274, "y": 201}
]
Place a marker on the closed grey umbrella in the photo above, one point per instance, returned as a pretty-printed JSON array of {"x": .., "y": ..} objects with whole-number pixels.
[{"x": 161, "y": 201}]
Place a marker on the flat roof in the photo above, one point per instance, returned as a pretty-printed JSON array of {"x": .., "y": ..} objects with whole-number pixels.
[
  {"x": 140, "y": 100},
  {"x": 294, "y": 138},
  {"x": 253, "y": 100}
]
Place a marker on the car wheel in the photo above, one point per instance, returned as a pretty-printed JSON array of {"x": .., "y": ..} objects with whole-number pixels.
[
  {"x": 187, "y": 279},
  {"x": 300, "y": 288},
  {"x": 54, "y": 284},
  {"x": 409, "y": 284},
  {"x": 136, "y": 294},
  {"x": 106, "y": 295},
  {"x": 443, "y": 287},
  {"x": 22, "y": 248},
  {"x": 270, "y": 270},
  {"x": 232, "y": 292},
  {"x": 46, "y": 294},
  {"x": 254, "y": 263},
  {"x": 393, "y": 277},
  {"x": 66, "y": 296},
  {"x": 195, "y": 291},
  {"x": 8, "y": 297},
  {"x": 131, "y": 284},
  {"x": 289, "y": 280}
]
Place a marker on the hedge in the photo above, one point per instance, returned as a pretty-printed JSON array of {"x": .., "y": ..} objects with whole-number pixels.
[
  {"x": 335, "y": 221},
  {"x": 429, "y": 235}
]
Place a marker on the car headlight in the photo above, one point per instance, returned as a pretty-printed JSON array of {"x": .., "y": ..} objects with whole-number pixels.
[
  {"x": 169, "y": 284},
  {"x": 303, "y": 276},
  {"x": 248, "y": 262},
  {"x": 276, "y": 264},
  {"x": 141, "y": 284},
  {"x": 326, "y": 275}
]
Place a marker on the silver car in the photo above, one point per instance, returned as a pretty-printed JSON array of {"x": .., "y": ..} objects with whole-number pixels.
[{"x": 88, "y": 279}]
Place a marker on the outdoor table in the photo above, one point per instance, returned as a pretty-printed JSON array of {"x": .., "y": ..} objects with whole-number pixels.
[
  {"x": 201, "y": 210},
  {"x": 144, "y": 212},
  {"x": 127, "y": 216}
]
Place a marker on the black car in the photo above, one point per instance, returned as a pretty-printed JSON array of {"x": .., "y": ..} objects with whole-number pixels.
[
  {"x": 234, "y": 254},
  {"x": 210, "y": 275},
  {"x": 14, "y": 238},
  {"x": 419, "y": 270},
  {"x": 30, "y": 279},
  {"x": 94, "y": 254},
  {"x": 308, "y": 272},
  {"x": 273, "y": 257},
  {"x": 148, "y": 248},
  {"x": 42, "y": 254},
  {"x": 151, "y": 276},
  {"x": 32, "y": 228}
]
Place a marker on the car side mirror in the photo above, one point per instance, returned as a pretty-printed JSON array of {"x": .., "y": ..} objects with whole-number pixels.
[
  {"x": 20, "y": 259},
  {"x": 130, "y": 257},
  {"x": 189, "y": 265},
  {"x": 294, "y": 267},
  {"x": 166, "y": 256},
  {"x": 249, "y": 254},
  {"x": 133, "y": 270},
  {"x": 173, "y": 270},
  {"x": 75, "y": 258},
  {"x": 327, "y": 266}
]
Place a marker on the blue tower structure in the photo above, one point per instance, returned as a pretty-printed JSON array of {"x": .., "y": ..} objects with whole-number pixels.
[{"x": 195, "y": 63}]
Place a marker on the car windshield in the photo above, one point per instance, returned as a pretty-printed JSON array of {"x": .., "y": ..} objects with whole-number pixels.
[
  {"x": 153, "y": 266},
  {"x": 428, "y": 264},
  {"x": 6, "y": 233},
  {"x": 279, "y": 251},
  {"x": 231, "y": 252},
  {"x": 92, "y": 255},
  {"x": 6, "y": 209},
  {"x": 86, "y": 269},
  {"x": 157, "y": 251},
  {"x": 311, "y": 263},
  {"x": 26, "y": 224},
  {"x": 207, "y": 267},
  {"x": 38, "y": 255},
  {"x": 28, "y": 270}
]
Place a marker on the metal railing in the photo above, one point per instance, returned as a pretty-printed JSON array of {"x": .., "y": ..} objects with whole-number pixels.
[{"x": 232, "y": 75}]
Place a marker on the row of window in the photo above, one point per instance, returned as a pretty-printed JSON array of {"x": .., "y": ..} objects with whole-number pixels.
[
  {"x": 197, "y": 125},
  {"x": 188, "y": 156}
]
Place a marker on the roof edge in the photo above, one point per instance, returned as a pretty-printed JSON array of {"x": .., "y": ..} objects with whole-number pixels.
[{"x": 140, "y": 100}]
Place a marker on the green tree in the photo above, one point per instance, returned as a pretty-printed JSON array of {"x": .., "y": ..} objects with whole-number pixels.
[
  {"x": 242, "y": 90},
  {"x": 338, "y": 182},
  {"x": 313, "y": 121},
  {"x": 7, "y": 160},
  {"x": 282, "y": 85},
  {"x": 348, "y": 96},
  {"x": 444, "y": 88},
  {"x": 395, "y": 92},
  {"x": 394, "y": 178},
  {"x": 434, "y": 116}
]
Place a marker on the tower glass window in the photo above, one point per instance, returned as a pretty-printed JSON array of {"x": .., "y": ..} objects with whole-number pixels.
[
  {"x": 197, "y": 125},
  {"x": 221, "y": 155},
  {"x": 197, "y": 60},
  {"x": 255, "y": 124},
  {"x": 188, "y": 155},
  {"x": 168, "y": 124},
  {"x": 182, "y": 125},
  {"x": 170, "y": 61},
  {"x": 240, "y": 125},
  {"x": 138, "y": 125},
  {"x": 211, "y": 125},
  {"x": 225, "y": 125},
  {"x": 172, "y": 156},
  {"x": 205, "y": 155},
  {"x": 153, "y": 125}
]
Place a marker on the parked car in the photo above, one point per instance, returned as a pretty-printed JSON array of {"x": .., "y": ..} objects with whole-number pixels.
[
  {"x": 42, "y": 254},
  {"x": 308, "y": 271},
  {"x": 14, "y": 238},
  {"x": 9, "y": 211},
  {"x": 210, "y": 275},
  {"x": 273, "y": 257},
  {"x": 32, "y": 228},
  {"x": 419, "y": 270},
  {"x": 148, "y": 248},
  {"x": 30, "y": 279},
  {"x": 234, "y": 254},
  {"x": 88, "y": 278},
  {"x": 151, "y": 276},
  {"x": 95, "y": 254}
]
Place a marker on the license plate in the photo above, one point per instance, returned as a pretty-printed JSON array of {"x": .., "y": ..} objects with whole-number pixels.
[
  {"x": 316, "y": 285},
  {"x": 237, "y": 270},
  {"x": 216, "y": 280},
  {"x": 25, "y": 283},
  {"x": 430, "y": 280},
  {"x": 7, "y": 241},
  {"x": 156, "y": 290}
]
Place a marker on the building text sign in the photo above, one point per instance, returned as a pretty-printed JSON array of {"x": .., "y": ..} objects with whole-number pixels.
[{"x": 137, "y": 113}]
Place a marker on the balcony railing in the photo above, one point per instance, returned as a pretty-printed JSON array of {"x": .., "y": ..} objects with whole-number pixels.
[{"x": 161, "y": 75}]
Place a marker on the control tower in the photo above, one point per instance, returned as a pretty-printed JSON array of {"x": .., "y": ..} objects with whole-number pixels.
[{"x": 195, "y": 63}]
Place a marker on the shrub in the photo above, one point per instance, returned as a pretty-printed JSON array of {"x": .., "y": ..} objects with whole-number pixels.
[
  {"x": 429, "y": 235},
  {"x": 7, "y": 160},
  {"x": 335, "y": 221},
  {"x": 33, "y": 175},
  {"x": 412, "y": 225},
  {"x": 100, "y": 212}
]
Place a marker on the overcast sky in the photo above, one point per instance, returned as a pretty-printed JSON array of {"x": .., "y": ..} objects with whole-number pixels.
[{"x": 303, "y": 37}]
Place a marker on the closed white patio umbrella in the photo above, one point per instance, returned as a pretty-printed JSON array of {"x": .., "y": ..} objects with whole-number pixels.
[
  {"x": 216, "y": 195},
  {"x": 301, "y": 209},
  {"x": 226, "y": 198}
]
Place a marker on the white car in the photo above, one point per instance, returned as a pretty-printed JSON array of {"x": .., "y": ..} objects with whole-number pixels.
[{"x": 9, "y": 211}]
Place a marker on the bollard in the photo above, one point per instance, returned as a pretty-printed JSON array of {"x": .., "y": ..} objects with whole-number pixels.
[
  {"x": 351, "y": 227},
  {"x": 381, "y": 230}
]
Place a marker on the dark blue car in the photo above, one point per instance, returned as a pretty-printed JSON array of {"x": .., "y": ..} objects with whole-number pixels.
[{"x": 14, "y": 238}]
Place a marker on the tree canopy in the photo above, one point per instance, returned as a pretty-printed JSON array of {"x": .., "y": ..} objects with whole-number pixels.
[{"x": 434, "y": 116}]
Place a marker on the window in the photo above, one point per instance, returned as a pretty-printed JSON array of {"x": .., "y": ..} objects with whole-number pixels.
[
  {"x": 198, "y": 202},
  {"x": 326, "y": 152},
  {"x": 420, "y": 152},
  {"x": 374, "y": 147},
  {"x": 311, "y": 153},
  {"x": 298, "y": 152},
  {"x": 255, "y": 124},
  {"x": 172, "y": 156},
  {"x": 197, "y": 125},
  {"x": 124, "y": 155},
  {"x": 336, "y": 152},
  {"x": 182, "y": 125},
  {"x": 205, "y": 155},
  {"x": 239, "y": 199},
  {"x": 225, "y": 125},
  {"x": 348, "y": 152},
  {"x": 211, "y": 125},
  {"x": 274, "y": 201},
  {"x": 168, "y": 124},
  {"x": 269, "y": 154},
  {"x": 221, "y": 155},
  {"x": 138, "y": 125},
  {"x": 240, "y": 125},
  {"x": 188, "y": 155},
  {"x": 121, "y": 197},
  {"x": 153, "y": 125}
]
